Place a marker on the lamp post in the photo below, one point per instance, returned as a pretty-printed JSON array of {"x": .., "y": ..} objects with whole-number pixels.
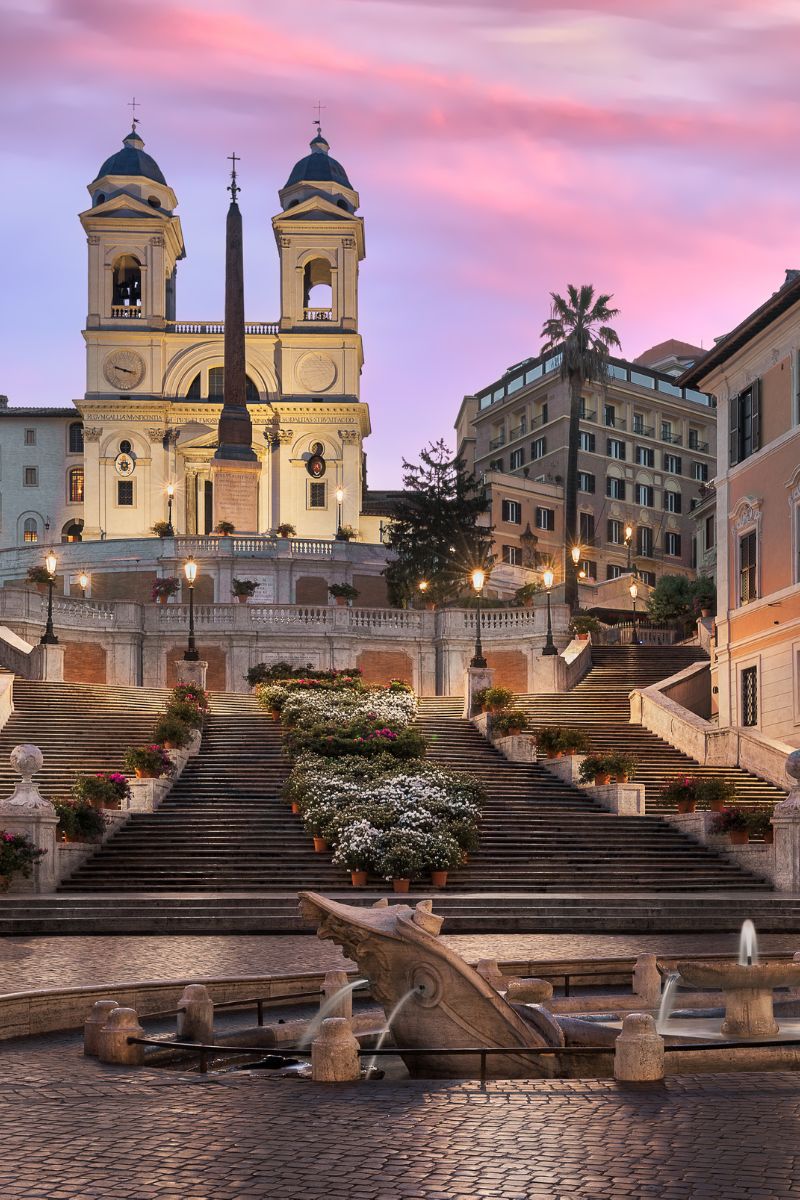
[
  {"x": 634, "y": 591},
  {"x": 628, "y": 540},
  {"x": 49, "y": 638},
  {"x": 170, "y": 497},
  {"x": 190, "y": 571},
  {"x": 478, "y": 580},
  {"x": 423, "y": 586},
  {"x": 576, "y": 556},
  {"x": 549, "y": 645},
  {"x": 83, "y": 583},
  {"x": 339, "y": 500}
]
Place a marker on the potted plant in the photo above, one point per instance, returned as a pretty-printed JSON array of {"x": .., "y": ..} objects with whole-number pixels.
[
  {"x": 345, "y": 533},
  {"x": 162, "y": 529},
  {"x": 171, "y": 732},
  {"x": 596, "y": 768},
  {"x": 285, "y": 530},
  {"x": 442, "y": 854},
  {"x": 573, "y": 741},
  {"x": 479, "y": 701},
  {"x": 496, "y": 699},
  {"x": 17, "y": 855},
  {"x": 225, "y": 528},
  {"x": 401, "y": 857},
  {"x": 715, "y": 793},
  {"x": 186, "y": 711},
  {"x": 163, "y": 587},
  {"x": 243, "y": 589},
  {"x": 704, "y": 594},
  {"x": 622, "y": 767},
  {"x": 188, "y": 693},
  {"x": 524, "y": 595},
  {"x": 40, "y": 576},
  {"x": 509, "y": 722},
  {"x": 549, "y": 741},
  {"x": 106, "y": 789},
  {"x": 681, "y": 792},
  {"x": 148, "y": 762},
  {"x": 79, "y": 821},
  {"x": 759, "y": 824},
  {"x": 734, "y": 822},
  {"x": 357, "y": 850},
  {"x": 343, "y": 593},
  {"x": 583, "y": 625}
]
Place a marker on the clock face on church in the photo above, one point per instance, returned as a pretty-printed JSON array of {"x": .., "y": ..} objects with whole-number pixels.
[{"x": 124, "y": 369}]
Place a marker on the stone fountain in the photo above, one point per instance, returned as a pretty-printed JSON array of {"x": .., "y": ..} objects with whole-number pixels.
[{"x": 747, "y": 990}]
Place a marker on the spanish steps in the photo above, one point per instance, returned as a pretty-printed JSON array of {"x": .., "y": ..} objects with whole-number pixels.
[{"x": 224, "y": 853}]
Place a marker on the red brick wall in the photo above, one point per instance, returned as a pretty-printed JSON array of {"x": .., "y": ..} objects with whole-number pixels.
[
  {"x": 371, "y": 591},
  {"x": 379, "y": 666},
  {"x": 510, "y": 667},
  {"x": 216, "y": 658},
  {"x": 311, "y": 589},
  {"x": 84, "y": 662}
]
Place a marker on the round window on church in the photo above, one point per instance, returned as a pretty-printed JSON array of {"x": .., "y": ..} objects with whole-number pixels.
[
  {"x": 125, "y": 447},
  {"x": 317, "y": 448}
]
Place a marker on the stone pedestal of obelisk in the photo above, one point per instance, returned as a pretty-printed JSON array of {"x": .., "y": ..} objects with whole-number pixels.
[{"x": 235, "y": 468}]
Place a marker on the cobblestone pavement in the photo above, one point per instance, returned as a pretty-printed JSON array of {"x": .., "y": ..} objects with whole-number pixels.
[
  {"x": 41, "y": 962},
  {"x": 74, "y": 1130}
]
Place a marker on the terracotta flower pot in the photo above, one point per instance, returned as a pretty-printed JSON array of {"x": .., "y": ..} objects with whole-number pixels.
[
  {"x": 439, "y": 879},
  {"x": 705, "y": 612},
  {"x": 341, "y": 600},
  {"x": 623, "y": 778},
  {"x": 686, "y": 806},
  {"x": 401, "y": 885},
  {"x": 358, "y": 878},
  {"x": 276, "y": 714},
  {"x": 739, "y": 837},
  {"x": 140, "y": 774},
  {"x": 514, "y": 731},
  {"x": 162, "y": 599},
  {"x": 41, "y": 589},
  {"x": 769, "y": 837},
  {"x": 320, "y": 845},
  {"x": 295, "y": 807},
  {"x": 716, "y": 805},
  {"x": 430, "y": 606},
  {"x": 465, "y": 857},
  {"x": 602, "y": 779},
  {"x": 555, "y": 753},
  {"x": 242, "y": 597}
]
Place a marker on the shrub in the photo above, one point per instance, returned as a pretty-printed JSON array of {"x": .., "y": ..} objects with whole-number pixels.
[
  {"x": 584, "y": 623},
  {"x": 359, "y": 847},
  {"x": 79, "y": 820},
  {"x": 286, "y": 530},
  {"x": 497, "y": 698},
  {"x": 186, "y": 711},
  {"x": 526, "y": 593},
  {"x": 226, "y": 528},
  {"x": 170, "y": 728},
  {"x": 165, "y": 585},
  {"x": 680, "y": 790},
  {"x": 509, "y": 718},
  {"x": 335, "y": 741},
  {"x": 152, "y": 761},
  {"x": 730, "y": 820},
  {"x": 344, "y": 591},
  {"x": 17, "y": 855},
  {"x": 596, "y": 764},
  {"x": 441, "y": 851},
  {"x": 38, "y": 575},
  {"x": 561, "y": 739},
  {"x": 704, "y": 593},
  {"x": 244, "y": 587},
  {"x": 671, "y": 597},
  {"x": 759, "y": 822},
  {"x": 401, "y": 854},
  {"x": 622, "y": 764},
  {"x": 189, "y": 694},
  {"x": 162, "y": 529},
  {"x": 109, "y": 788},
  {"x": 345, "y": 533},
  {"x": 711, "y": 791}
]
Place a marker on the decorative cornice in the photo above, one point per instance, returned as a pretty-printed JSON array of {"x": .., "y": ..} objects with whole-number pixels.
[
  {"x": 348, "y": 435},
  {"x": 746, "y": 512},
  {"x": 92, "y": 433}
]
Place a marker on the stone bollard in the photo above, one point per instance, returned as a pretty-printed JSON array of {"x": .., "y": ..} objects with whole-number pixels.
[
  {"x": 334, "y": 1053},
  {"x": 113, "y": 1047},
  {"x": 647, "y": 980},
  {"x": 196, "y": 1023},
  {"x": 488, "y": 969},
  {"x": 529, "y": 991},
  {"x": 334, "y": 982},
  {"x": 639, "y": 1050},
  {"x": 96, "y": 1020}
]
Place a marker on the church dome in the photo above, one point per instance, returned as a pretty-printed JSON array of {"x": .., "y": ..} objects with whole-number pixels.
[
  {"x": 132, "y": 160},
  {"x": 318, "y": 166}
]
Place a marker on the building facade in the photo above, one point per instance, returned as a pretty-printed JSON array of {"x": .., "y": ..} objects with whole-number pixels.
[{"x": 754, "y": 373}]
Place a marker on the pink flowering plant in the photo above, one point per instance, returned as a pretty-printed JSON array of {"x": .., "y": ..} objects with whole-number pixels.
[
  {"x": 18, "y": 855},
  {"x": 187, "y": 693},
  {"x": 151, "y": 762},
  {"x": 79, "y": 820},
  {"x": 106, "y": 788},
  {"x": 165, "y": 585}
]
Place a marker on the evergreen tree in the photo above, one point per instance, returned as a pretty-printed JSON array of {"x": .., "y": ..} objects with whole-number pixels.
[{"x": 434, "y": 532}]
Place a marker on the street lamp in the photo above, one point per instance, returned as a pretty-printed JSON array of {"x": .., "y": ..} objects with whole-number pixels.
[
  {"x": 549, "y": 645},
  {"x": 49, "y": 638},
  {"x": 170, "y": 497},
  {"x": 628, "y": 540},
  {"x": 478, "y": 580},
  {"x": 576, "y": 555},
  {"x": 634, "y": 591},
  {"x": 190, "y": 571},
  {"x": 83, "y": 583},
  {"x": 339, "y": 499}
]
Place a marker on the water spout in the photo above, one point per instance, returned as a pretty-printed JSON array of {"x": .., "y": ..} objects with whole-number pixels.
[
  {"x": 748, "y": 945},
  {"x": 667, "y": 1001},
  {"x": 325, "y": 1009},
  {"x": 403, "y": 1000}
]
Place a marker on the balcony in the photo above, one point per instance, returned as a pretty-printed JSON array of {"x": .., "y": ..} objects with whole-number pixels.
[
  {"x": 518, "y": 432},
  {"x": 497, "y": 442},
  {"x": 617, "y": 423},
  {"x": 588, "y": 416},
  {"x": 700, "y": 447},
  {"x": 125, "y": 312},
  {"x": 317, "y": 314},
  {"x": 672, "y": 439},
  {"x": 537, "y": 422},
  {"x": 218, "y": 327},
  {"x": 648, "y": 431}
]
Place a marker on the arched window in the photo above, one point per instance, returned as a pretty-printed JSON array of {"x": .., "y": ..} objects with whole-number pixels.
[
  {"x": 216, "y": 386},
  {"x": 76, "y": 437},
  {"x": 72, "y": 532},
  {"x": 75, "y": 485},
  {"x": 100, "y": 198},
  {"x": 317, "y": 293},
  {"x": 127, "y": 291},
  {"x": 30, "y": 530},
  {"x": 193, "y": 391}
]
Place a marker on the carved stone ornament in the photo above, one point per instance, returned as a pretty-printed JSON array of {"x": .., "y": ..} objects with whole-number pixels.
[
  {"x": 93, "y": 239},
  {"x": 92, "y": 433},
  {"x": 747, "y": 512},
  {"x": 285, "y": 435},
  {"x": 26, "y": 760},
  {"x": 348, "y": 435},
  {"x": 156, "y": 435}
]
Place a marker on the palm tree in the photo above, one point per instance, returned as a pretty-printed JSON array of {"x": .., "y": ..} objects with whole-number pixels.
[{"x": 578, "y": 330}]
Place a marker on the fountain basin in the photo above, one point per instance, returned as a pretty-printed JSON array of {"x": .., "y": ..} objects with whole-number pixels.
[{"x": 747, "y": 990}]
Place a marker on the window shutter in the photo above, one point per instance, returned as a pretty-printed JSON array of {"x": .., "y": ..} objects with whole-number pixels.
[
  {"x": 734, "y": 430},
  {"x": 756, "y": 409}
]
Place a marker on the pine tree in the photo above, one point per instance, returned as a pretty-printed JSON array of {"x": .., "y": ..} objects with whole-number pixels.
[{"x": 434, "y": 532}]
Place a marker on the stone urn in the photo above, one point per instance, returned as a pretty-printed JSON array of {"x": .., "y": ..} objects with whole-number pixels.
[{"x": 747, "y": 991}]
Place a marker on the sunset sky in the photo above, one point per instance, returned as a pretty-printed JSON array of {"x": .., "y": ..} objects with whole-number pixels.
[{"x": 501, "y": 150}]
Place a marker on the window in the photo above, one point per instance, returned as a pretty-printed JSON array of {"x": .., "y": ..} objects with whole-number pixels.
[
  {"x": 645, "y": 495},
  {"x": 517, "y": 459},
  {"x": 666, "y": 431},
  {"x": 582, "y": 407},
  {"x": 748, "y": 580},
  {"x": 585, "y": 481},
  {"x": 694, "y": 439},
  {"x": 638, "y": 422},
  {"x": 30, "y": 530},
  {"x": 614, "y": 570},
  {"x": 76, "y": 438},
  {"x": 512, "y": 555},
  {"x": 495, "y": 464},
  {"x": 30, "y": 437},
  {"x": 750, "y": 696},
  {"x": 672, "y": 544},
  {"x": 216, "y": 386},
  {"x": 125, "y": 493},
  {"x": 30, "y": 476},
  {"x": 615, "y": 488},
  {"x": 745, "y": 423},
  {"x": 75, "y": 485},
  {"x": 645, "y": 457},
  {"x": 586, "y": 441},
  {"x": 512, "y": 512},
  {"x": 710, "y": 533},
  {"x": 700, "y": 472},
  {"x": 586, "y": 528},
  {"x": 317, "y": 495},
  {"x": 644, "y": 541},
  {"x": 615, "y": 448},
  {"x": 545, "y": 518},
  {"x": 648, "y": 577},
  {"x": 539, "y": 448},
  {"x": 616, "y": 536},
  {"x": 610, "y": 415},
  {"x": 673, "y": 464},
  {"x": 126, "y": 285},
  {"x": 672, "y": 502},
  {"x": 587, "y": 569},
  {"x": 125, "y": 447}
]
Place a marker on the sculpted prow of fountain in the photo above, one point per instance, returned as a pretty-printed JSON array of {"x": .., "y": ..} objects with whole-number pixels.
[{"x": 450, "y": 1005}]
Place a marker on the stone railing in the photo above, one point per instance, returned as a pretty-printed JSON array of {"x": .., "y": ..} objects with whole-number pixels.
[
  {"x": 390, "y": 622},
  {"x": 269, "y": 328}
]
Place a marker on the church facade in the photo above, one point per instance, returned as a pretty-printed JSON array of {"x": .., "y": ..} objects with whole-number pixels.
[{"x": 138, "y": 447}]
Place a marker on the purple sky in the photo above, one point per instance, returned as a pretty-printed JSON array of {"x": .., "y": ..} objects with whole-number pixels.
[{"x": 501, "y": 149}]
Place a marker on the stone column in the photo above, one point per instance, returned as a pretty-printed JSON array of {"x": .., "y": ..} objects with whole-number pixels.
[
  {"x": 193, "y": 673},
  {"x": 27, "y": 812},
  {"x": 786, "y": 824},
  {"x": 47, "y": 663},
  {"x": 475, "y": 679}
]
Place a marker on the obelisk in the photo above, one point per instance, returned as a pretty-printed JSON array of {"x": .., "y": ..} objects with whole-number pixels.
[{"x": 235, "y": 468}]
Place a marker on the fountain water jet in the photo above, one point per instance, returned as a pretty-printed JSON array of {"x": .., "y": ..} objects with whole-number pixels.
[
  {"x": 315, "y": 1024},
  {"x": 384, "y": 1032},
  {"x": 667, "y": 1001},
  {"x": 748, "y": 945}
]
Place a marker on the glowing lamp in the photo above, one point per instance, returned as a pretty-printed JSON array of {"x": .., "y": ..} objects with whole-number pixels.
[
  {"x": 478, "y": 578},
  {"x": 51, "y": 562},
  {"x": 190, "y": 570},
  {"x": 548, "y": 578}
]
